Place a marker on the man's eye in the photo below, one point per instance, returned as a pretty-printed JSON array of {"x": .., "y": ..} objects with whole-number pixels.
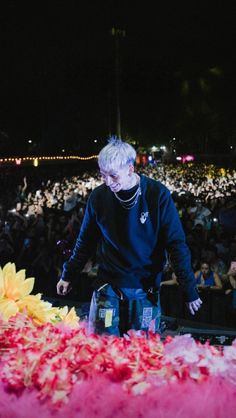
[{"x": 112, "y": 176}]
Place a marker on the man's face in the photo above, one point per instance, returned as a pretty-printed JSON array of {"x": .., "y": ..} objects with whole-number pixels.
[{"x": 117, "y": 179}]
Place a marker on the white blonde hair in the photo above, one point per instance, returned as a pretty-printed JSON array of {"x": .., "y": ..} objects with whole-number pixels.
[{"x": 116, "y": 154}]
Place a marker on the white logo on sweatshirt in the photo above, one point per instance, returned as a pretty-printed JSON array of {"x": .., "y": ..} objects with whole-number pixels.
[{"x": 143, "y": 217}]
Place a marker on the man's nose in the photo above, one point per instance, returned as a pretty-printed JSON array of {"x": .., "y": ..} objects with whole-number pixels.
[{"x": 108, "y": 180}]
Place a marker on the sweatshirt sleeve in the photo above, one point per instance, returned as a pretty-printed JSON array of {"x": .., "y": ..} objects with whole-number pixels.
[
  {"x": 176, "y": 246},
  {"x": 85, "y": 245}
]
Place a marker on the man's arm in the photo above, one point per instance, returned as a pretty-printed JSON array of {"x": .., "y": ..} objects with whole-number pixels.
[
  {"x": 84, "y": 248},
  {"x": 179, "y": 252}
]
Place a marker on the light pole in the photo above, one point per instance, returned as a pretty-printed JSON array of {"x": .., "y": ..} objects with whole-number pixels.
[{"x": 118, "y": 34}]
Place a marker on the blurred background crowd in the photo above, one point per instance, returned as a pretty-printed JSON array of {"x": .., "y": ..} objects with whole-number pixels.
[{"x": 41, "y": 215}]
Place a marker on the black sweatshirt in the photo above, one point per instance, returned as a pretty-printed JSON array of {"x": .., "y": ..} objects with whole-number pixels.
[{"x": 131, "y": 245}]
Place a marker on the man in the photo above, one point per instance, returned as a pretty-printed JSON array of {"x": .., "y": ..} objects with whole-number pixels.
[{"x": 131, "y": 222}]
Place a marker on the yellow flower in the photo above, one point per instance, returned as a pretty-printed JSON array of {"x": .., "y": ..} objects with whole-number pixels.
[
  {"x": 8, "y": 308},
  {"x": 15, "y": 297},
  {"x": 2, "y": 288},
  {"x": 14, "y": 285},
  {"x": 69, "y": 318},
  {"x": 38, "y": 309}
]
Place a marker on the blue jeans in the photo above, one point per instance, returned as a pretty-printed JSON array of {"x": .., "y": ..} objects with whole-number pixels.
[{"x": 115, "y": 311}]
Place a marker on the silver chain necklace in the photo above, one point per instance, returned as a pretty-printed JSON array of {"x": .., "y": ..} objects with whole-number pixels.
[{"x": 131, "y": 202}]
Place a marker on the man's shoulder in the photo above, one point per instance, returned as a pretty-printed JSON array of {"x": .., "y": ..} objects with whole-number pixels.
[
  {"x": 99, "y": 194},
  {"x": 154, "y": 185},
  {"x": 97, "y": 191}
]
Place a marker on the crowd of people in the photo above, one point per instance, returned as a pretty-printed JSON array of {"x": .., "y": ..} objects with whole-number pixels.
[{"x": 40, "y": 218}]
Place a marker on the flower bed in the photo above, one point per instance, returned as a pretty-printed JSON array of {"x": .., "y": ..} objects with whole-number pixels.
[
  {"x": 62, "y": 371},
  {"x": 50, "y": 367}
]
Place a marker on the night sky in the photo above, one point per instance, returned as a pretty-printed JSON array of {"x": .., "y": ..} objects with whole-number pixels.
[{"x": 177, "y": 74}]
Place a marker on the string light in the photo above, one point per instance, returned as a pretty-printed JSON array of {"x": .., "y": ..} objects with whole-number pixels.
[
  {"x": 46, "y": 158},
  {"x": 36, "y": 162}
]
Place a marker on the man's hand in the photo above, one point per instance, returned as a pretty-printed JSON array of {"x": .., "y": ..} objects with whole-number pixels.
[
  {"x": 194, "y": 305},
  {"x": 63, "y": 287}
]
